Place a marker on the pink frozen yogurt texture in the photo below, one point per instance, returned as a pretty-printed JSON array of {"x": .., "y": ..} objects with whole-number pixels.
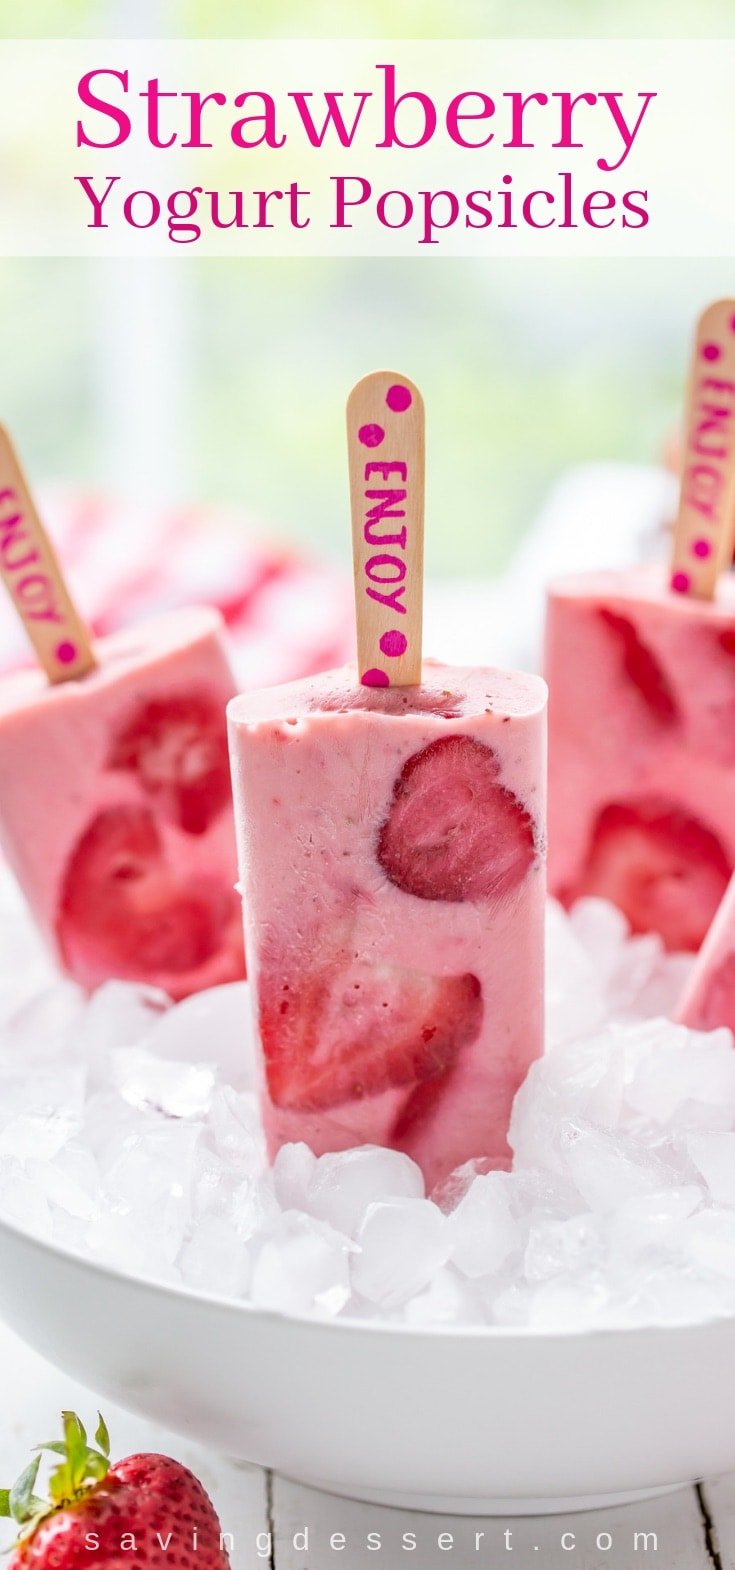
[
  {"x": 116, "y": 811},
  {"x": 391, "y": 846},
  {"x": 642, "y": 748}
]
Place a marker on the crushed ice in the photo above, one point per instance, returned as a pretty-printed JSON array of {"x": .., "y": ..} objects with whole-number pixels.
[{"x": 129, "y": 1131}]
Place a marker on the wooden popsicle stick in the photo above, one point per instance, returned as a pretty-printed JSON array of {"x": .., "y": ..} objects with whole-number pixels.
[
  {"x": 34, "y": 579},
  {"x": 385, "y": 443},
  {"x": 705, "y": 527}
]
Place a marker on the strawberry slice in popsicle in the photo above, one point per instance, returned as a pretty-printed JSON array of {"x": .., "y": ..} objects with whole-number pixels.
[
  {"x": 177, "y": 748},
  {"x": 127, "y": 908},
  {"x": 121, "y": 839}
]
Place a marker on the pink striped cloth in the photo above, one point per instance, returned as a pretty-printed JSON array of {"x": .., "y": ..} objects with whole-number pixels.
[{"x": 288, "y": 615}]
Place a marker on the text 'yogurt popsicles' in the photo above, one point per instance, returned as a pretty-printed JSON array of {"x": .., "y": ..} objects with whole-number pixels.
[
  {"x": 641, "y": 671},
  {"x": 115, "y": 799},
  {"x": 391, "y": 841}
]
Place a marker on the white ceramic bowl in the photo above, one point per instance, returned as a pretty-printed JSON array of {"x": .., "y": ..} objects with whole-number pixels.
[{"x": 480, "y": 1421}]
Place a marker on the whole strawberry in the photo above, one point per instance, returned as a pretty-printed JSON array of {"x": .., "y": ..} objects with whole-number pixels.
[{"x": 147, "y": 1510}]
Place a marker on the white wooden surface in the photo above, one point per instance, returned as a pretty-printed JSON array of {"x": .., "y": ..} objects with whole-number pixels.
[{"x": 269, "y": 1517}]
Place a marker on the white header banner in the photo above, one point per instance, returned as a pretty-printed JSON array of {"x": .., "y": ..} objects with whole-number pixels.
[{"x": 367, "y": 148}]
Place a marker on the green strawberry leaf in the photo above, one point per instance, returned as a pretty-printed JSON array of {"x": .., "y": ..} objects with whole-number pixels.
[
  {"x": 96, "y": 1465},
  {"x": 21, "y": 1496},
  {"x": 102, "y": 1438},
  {"x": 74, "y": 1430},
  {"x": 76, "y": 1444},
  {"x": 79, "y": 1468}
]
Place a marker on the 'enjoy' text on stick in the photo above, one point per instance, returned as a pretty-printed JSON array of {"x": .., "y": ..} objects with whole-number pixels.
[
  {"x": 705, "y": 525},
  {"x": 385, "y": 441},
  {"x": 34, "y": 580}
]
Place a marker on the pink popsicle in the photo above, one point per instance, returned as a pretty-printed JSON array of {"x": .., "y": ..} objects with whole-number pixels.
[
  {"x": 115, "y": 807},
  {"x": 708, "y": 999},
  {"x": 642, "y": 748},
  {"x": 391, "y": 847}
]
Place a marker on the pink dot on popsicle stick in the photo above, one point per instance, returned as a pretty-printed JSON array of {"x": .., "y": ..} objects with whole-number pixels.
[
  {"x": 710, "y": 351},
  {"x": 394, "y": 643},
  {"x": 732, "y": 324},
  {"x": 398, "y": 398},
  {"x": 702, "y": 548},
  {"x": 375, "y": 678},
  {"x": 371, "y": 435},
  {"x": 65, "y": 653},
  {"x": 680, "y": 581}
]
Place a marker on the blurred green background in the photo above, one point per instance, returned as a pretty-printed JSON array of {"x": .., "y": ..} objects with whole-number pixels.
[{"x": 211, "y": 380}]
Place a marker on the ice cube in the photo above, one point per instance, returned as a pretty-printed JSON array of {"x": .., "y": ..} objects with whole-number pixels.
[
  {"x": 254, "y": 1206},
  {"x": 667, "y": 1296},
  {"x": 639, "y": 971},
  {"x": 70, "y": 1182},
  {"x": 345, "y": 1184},
  {"x": 601, "y": 929},
  {"x": 214, "y": 1027},
  {"x": 659, "y": 997},
  {"x": 512, "y": 1305},
  {"x": 575, "y": 1004},
  {"x": 708, "y": 1243},
  {"x": 583, "y": 1080},
  {"x": 714, "y": 1156},
  {"x": 447, "y": 1300},
  {"x": 650, "y": 1223},
  {"x": 569, "y": 1303},
  {"x": 216, "y": 1260},
  {"x": 21, "y": 1200},
  {"x": 681, "y": 1079},
  {"x": 36, "y": 1134},
  {"x": 402, "y": 1243},
  {"x": 119, "y": 1014},
  {"x": 179, "y": 1090},
  {"x": 40, "y": 1111},
  {"x": 301, "y": 1266},
  {"x": 293, "y": 1170},
  {"x": 609, "y": 1168},
  {"x": 635, "y": 977},
  {"x": 558, "y": 1247},
  {"x": 108, "y": 1121},
  {"x": 536, "y": 1194},
  {"x": 214, "y": 1185},
  {"x": 483, "y": 1229},
  {"x": 69, "y": 1231},
  {"x": 151, "y": 1182},
  {"x": 117, "y": 1238},
  {"x": 236, "y": 1129},
  {"x": 452, "y": 1189}
]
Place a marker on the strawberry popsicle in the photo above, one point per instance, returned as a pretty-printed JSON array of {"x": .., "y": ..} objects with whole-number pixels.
[
  {"x": 391, "y": 846},
  {"x": 641, "y": 671},
  {"x": 115, "y": 803},
  {"x": 642, "y": 748},
  {"x": 116, "y": 811},
  {"x": 708, "y": 999}
]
